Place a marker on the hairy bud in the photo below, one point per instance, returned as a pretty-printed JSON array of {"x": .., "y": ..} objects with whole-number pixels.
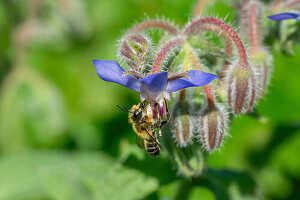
[
  {"x": 242, "y": 88},
  {"x": 213, "y": 123},
  {"x": 261, "y": 62},
  {"x": 135, "y": 50},
  {"x": 182, "y": 123}
]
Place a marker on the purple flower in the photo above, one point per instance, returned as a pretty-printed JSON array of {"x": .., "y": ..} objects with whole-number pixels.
[
  {"x": 154, "y": 87},
  {"x": 284, "y": 16}
]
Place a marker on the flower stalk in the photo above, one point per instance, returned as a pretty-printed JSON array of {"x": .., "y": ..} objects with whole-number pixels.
[
  {"x": 154, "y": 24},
  {"x": 259, "y": 54},
  {"x": 254, "y": 25},
  {"x": 198, "y": 24},
  {"x": 171, "y": 45}
]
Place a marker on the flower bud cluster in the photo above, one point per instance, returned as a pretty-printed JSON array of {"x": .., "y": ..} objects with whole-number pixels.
[
  {"x": 135, "y": 50},
  {"x": 202, "y": 118}
]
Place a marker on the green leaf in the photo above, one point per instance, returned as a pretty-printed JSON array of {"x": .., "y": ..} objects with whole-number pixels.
[
  {"x": 286, "y": 156},
  {"x": 201, "y": 192},
  {"x": 62, "y": 175},
  {"x": 32, "y": 111}
]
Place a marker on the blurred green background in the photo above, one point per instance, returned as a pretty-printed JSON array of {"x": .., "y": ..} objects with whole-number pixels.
[{"x": 62, "y": 137}]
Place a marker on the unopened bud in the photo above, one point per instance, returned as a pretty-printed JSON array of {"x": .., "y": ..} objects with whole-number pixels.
[
  {"x": 127, "y": 52},
  {"x": 134, "y": 50},
  {"x": 213, "y": 124},
  {"x": 242, "y": 88},
  {"x": 183, "y": 123},
  {"x": 261, "y": 62}
]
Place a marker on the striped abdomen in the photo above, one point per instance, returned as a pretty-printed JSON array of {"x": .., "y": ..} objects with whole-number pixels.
[{"x": 152, "y": 147}]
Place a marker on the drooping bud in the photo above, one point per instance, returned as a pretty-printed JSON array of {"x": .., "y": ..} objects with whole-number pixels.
[
  {"x": 242, "y": 88},
  {"x": 213, "y": 124},
  {"x": 183, "y": 125},
  {"x": 261, "y": 61},
  {"x": 135, "y": 50}
]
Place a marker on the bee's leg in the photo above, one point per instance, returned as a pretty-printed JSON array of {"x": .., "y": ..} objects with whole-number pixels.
[
  {"x": 166, "y": 113},
  {"x": 158, "y": 143},
  {"x": 144, "y": 118},
  {"x": 166, "y": 107},
  {"x": 158, "y": 117},
  {"x": 153, "y": 137},
  {"x": 157, "y": 109}
]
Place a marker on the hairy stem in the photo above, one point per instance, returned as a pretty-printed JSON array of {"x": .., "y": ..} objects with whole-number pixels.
[
  {"x": 182, "y": 95},
  {"x": 198, "y": 25},
  {"x": 254, "y": 34},
  {"x": 154, "y": 24},
  {"x": 228, "y": 44},
  {"x": 164, "y": 52}
]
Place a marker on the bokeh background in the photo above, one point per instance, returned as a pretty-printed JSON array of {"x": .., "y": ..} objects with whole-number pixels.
[{"x": 62, "y": 136}]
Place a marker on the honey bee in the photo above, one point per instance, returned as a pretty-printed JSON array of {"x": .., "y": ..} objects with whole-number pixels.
[
  {"x": 144, "y": 125},
  {"x": 145, "y": 119}
]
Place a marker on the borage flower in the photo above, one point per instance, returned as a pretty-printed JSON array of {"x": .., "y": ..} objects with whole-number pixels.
[
  {"x": 154, "y": 88},
  {"x": 284, "y": 16}
]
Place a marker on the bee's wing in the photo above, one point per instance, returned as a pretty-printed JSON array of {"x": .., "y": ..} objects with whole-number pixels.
[
  {"x": 154, "y": 138},
  {"x": 139, "y": 142}
]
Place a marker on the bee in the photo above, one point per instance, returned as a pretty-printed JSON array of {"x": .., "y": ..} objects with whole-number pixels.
[{"x": 144, "y": 125}]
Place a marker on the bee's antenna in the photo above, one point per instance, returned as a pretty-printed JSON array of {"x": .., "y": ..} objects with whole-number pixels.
[{"x": 123, "y": 109}]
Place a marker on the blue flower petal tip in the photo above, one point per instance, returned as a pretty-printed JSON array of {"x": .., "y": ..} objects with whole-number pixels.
[
  {"x": 196, "y": 78},
  {"x": 111, "y": 71},
  {"x": 284, "y": 16}
]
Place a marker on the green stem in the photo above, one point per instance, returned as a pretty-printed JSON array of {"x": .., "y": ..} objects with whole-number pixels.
[{"x": 184, "y": 189}]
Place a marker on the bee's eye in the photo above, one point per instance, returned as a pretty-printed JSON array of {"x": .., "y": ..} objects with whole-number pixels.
[{"x": 137, "y": 113}]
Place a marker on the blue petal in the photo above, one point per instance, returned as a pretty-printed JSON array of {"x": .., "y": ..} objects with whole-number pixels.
[
  {"x": 153, "y": 85},
  {"x": 283, "y": 16},
  {"x": 110, "y": 70},
  {"x": 196, "y": 78}
]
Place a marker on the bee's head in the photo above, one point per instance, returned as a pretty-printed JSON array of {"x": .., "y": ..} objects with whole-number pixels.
[{"x": 136, "y": 112}]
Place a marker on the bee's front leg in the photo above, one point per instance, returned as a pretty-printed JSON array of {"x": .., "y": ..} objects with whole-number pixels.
[{"x": 144, "y": 118}]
